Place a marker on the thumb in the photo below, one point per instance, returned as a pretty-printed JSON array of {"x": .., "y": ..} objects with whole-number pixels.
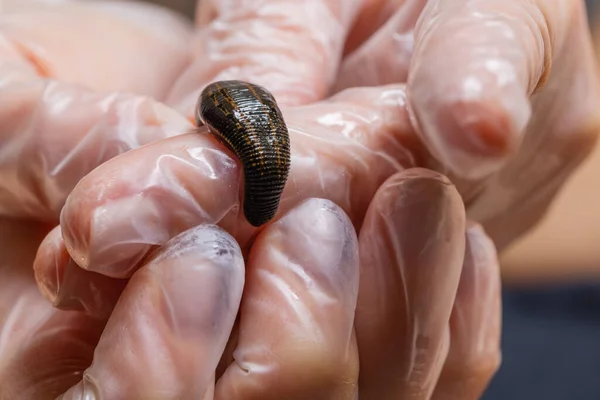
[
  {"x": 290, "y": 47},
  {"x": 473, "y": 107}
]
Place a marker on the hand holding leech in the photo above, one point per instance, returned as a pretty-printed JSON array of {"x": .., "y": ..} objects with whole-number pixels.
[{"x": 351, "y": 149}]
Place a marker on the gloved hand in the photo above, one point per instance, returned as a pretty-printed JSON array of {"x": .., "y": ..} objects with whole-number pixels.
[
  {"x": 295, "y": 338},
  {"x": 412, "y": 249},
  {"x": 503, "y": 93},
  {"x": 390, "y": 152},
  {"x": 306, "y": 348},
  {"x": 179, "y": 308}
]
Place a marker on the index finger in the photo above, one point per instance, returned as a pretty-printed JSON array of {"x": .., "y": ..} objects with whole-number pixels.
[
  {"x": 112, "y": 219},
  {"x": 290, "y": 47}
]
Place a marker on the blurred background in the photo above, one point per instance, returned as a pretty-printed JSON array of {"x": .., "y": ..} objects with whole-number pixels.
[{"x": 551, "y": 305}]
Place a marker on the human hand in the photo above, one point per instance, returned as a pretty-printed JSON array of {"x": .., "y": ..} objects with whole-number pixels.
[
  {"x": 48, "y": 349},
  {"x": 381, "y": 135},
  {"x": 112, "y": 220},
  {"x": 376, "y": 150},
  {"x": 296, "y": 338},
  {"x": 64, "y": 130},
  {"x": 178, "y": 311},
  {"x": 503, "y": 94}
]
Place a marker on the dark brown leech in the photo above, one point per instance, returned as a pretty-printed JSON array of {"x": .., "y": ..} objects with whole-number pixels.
[{"x": 246, "y": 117}]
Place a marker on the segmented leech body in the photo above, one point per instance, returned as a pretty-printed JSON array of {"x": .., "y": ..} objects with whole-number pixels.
[{"x": 246, "y": 117}]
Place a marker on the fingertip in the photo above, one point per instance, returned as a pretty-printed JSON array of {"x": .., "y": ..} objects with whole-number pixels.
[
  {"x": 67, "y": 286},
  {"x": 485, "y": 126},
  {"x": 474, "y": 69},
  {"x": 478, "y": 297},
  {"x": 428, "y": 203},
  {"x": 417, "y": 189},
  {"x": 471, "y": 135},
  {"x": 179, "y": 310},
  {"x": 320, "y": 227},
  {"x": 296, "y": 328},
  {"x": 321, "y": 217},
  {"x": 118, "y": 213},
  {"x": 478, "y": 294},
  {"x": 480, "y": 247},
  {"x": 205, "y": 242},
  {"x": 202, "y": 261}
]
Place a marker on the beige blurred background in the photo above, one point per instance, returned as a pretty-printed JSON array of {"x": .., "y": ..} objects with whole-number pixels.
[{"x": 566, "y": 244}]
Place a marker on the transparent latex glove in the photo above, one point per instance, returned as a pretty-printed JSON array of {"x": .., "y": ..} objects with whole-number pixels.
[
  {"x": 45, "y": 350},
  {"x": 170, "y": 328},
  {"x": 428, "y": 314},
  {"x": 503, "y": 93},
  {"x": 71, "y": 96},
  {"x": 168, "y": 336},
  {"x": 293, "y": 48},
  {"x": 344, "y": 150}
]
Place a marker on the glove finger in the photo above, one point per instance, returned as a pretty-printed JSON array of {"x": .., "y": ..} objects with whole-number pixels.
[
  {"x": 112, "y": 219},
  {"x": 179, "y": 310},
  {"x": 143, "y": 198},
  {"x": 474, "y": 354},
  {"x": 112, "y": 46},
  {"x": 412, "y": 246},
  {"x": 385, "y": 57},
  {"x": 64, "y": 132},
  {"x": 296, "y": 337},
  {"x": 473, "y": 108},
  {"x": 563, "y": 131},
  {"x": 42, "y": 350},
  {"x": 291, "y": 48},
  {"x": 67, "y": 286}
]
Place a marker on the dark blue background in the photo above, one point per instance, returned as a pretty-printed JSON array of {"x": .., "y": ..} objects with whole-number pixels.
[
  {"x": 550, "y": 345},
  {"x": 592, "y": 6}
]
